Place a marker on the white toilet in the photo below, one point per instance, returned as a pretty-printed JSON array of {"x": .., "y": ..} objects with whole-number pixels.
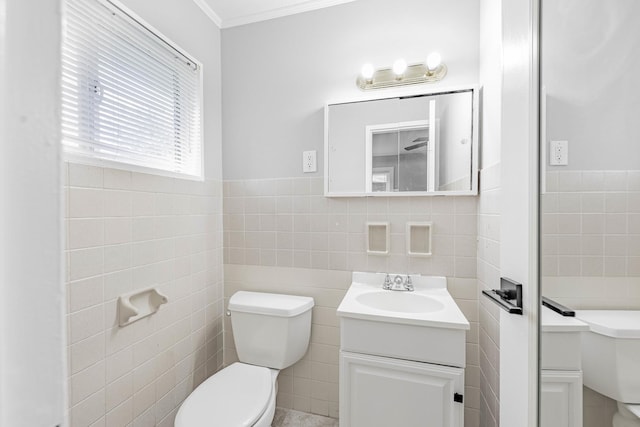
[
  {"x": 611, "y": 360},
  {"x": 271, "y": 332}
]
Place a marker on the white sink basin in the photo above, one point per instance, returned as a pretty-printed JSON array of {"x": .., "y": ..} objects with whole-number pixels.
[
  {"x": 400, "y": 302},
  {"x": 424, "y": 325}
]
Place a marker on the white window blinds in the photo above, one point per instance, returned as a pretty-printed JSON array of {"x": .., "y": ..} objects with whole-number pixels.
[{"x": 128, "y": 96}]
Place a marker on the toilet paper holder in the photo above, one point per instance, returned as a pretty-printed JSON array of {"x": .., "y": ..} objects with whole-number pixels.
[{"x": 138, "y": 304}]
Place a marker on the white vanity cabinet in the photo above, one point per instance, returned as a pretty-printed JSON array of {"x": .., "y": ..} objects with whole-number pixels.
[
  {"x": 561, "y": 398},
  {"x": 402, "y": 354},
  {"x": 561, "y": 370},
  {"x": 383, "y": 392}
]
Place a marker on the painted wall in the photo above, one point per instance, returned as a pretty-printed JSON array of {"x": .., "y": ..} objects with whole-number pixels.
[
  {"x": 598, "y": 116},
  {"x": 279, "y": 74},
  {"x": 126, "y": 231},
  {"x": 32, "y": 332},
  {"x": 490, "y": 69}
]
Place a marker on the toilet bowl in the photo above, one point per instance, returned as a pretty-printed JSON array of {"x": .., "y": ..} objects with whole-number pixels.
[
  {"x": 611, "y": 360},
  {"x": 627, "y": 416},
  {"x": 271, "y": 332},
  {"x": 239, "y": 395}
]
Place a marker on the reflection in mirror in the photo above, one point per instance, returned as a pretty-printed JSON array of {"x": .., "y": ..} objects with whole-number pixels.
[
  {"x": 400, "y": 157},
  {"x": 417, "y": 145},
  {"x": 590, "y": 213}
]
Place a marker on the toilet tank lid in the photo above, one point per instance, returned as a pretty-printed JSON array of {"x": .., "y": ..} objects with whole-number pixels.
[
  {"x": 612, "y": 323},
  {"x": 271, "y": 304}
]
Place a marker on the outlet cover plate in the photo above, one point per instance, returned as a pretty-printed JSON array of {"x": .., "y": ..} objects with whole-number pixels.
[
  {"x": 559, "y": 153},
  {"x": 309, "y": 161}
]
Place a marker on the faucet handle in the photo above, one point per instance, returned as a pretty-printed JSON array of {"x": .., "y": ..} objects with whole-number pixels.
[
  {"x": 387, "y": 282},
  {"x": 408, "y": 284}
]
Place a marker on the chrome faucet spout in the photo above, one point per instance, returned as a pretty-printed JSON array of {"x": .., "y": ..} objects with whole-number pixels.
[{"x": 399, "y": 283}]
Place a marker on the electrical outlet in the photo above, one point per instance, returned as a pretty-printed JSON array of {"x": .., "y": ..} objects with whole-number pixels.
[
  {"x": 309, "y": 161},
  {"x": 559, "y": 153}
]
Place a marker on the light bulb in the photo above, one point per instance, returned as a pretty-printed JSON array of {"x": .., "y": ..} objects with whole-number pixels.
[
  {"x": 367, "y": 71},
  {"x": 399, "y": 67},
  {"x": 433, "y": 61}
]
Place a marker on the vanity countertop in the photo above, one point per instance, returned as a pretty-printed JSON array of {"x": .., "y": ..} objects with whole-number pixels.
[
  {"x": 430, "y": 304},
  {"x": 423, "y": 325}
]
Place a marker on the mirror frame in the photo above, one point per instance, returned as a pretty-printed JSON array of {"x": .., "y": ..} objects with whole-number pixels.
[{"x": 475, "y": 141}]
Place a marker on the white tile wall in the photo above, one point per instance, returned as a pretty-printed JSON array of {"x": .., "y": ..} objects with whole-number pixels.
[
  {"x": 617, "y": 293},
  {"x": 283, "y": 235},
  {"x": 126, "y": 231},
  {"x": 591, "y": 238},
  {"x": 289, "y": 223},
  {"x": 489, "y": 278},
  {"x": 591, "y": 224}
]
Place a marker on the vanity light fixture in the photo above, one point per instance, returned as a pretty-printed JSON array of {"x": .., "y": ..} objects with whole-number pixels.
[
  {"x": 367, "y": 72},
  {"x": 430, "y": 71},
  {"x": 434, "y": 60},
  {"x": 399, "y": 67}
]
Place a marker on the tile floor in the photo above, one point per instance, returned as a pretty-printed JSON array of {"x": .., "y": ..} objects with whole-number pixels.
[{"x": 291, "y": 418}]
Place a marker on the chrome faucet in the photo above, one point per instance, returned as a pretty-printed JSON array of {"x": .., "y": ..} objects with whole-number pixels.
[
  {"x": 398, "y": 283},
  {"x": 387, "y": 283}
]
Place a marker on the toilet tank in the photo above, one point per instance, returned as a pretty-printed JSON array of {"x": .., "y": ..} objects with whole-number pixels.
[{"x": 270, "y": 330}]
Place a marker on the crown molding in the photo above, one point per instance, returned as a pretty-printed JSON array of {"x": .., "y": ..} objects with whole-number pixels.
[
  {"x": 211, "y": 14},
  {"x": 269, "y": 14}
]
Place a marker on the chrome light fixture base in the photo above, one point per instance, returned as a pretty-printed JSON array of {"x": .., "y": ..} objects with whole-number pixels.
[{"x": 415, "y": 74}]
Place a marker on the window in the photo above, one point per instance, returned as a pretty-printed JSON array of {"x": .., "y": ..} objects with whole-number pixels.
[{"x": 129, "y": 97}]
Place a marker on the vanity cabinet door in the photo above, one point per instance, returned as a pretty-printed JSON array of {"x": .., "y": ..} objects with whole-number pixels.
[
  {"x": 561, "y": 398},
  {"x": 382, "y": 392}
]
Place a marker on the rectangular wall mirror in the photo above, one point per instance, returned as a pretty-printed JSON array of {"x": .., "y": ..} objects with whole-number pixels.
[{"x": 424, "y": 144}]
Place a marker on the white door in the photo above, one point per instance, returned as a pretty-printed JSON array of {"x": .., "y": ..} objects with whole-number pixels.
[
  {"x": 32, "y": 344},
  {"x": 518, "y": 213},
  {"x": 382, "y": 392}
]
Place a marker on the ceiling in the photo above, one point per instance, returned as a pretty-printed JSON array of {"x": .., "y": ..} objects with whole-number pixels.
[{"x": 231, "y": 13}]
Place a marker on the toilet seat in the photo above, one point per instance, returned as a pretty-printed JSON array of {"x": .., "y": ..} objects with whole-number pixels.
[
  {"x": 633, "y": 408},
  {"x": 238, "y": 395}
]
